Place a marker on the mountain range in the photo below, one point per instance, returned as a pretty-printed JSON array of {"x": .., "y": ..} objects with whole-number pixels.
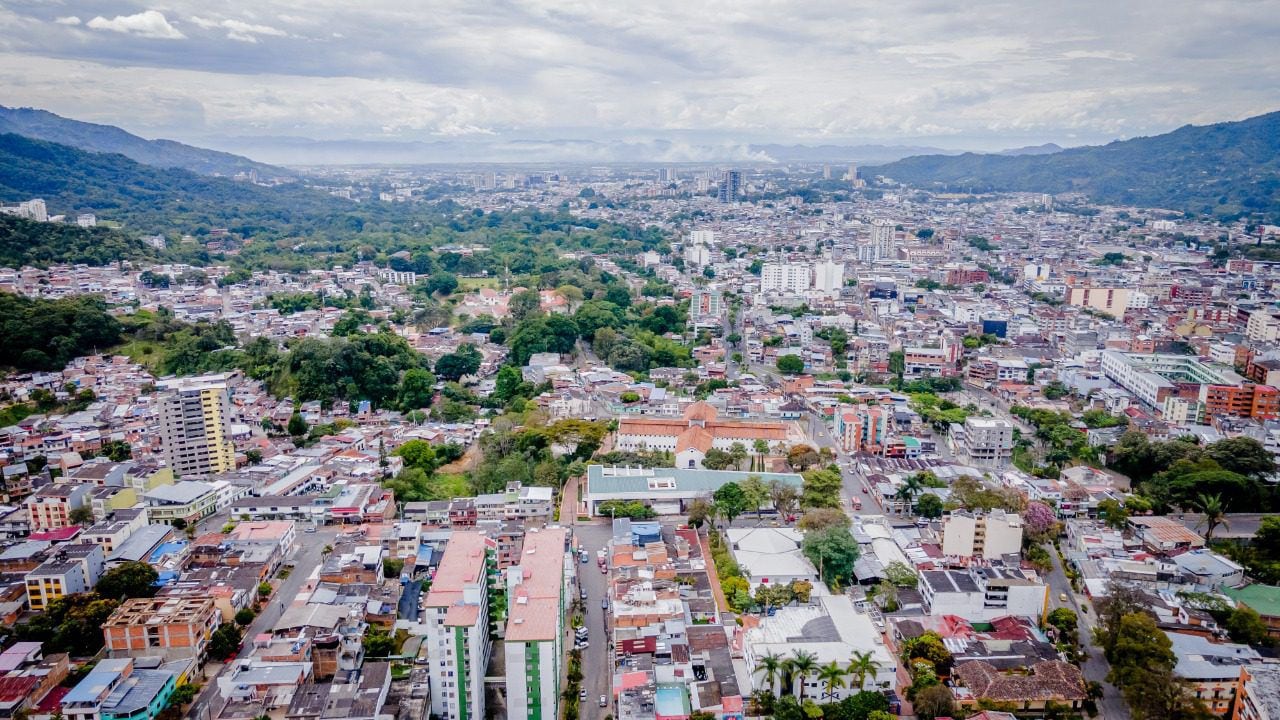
[
  {"x": 1227, "y": 169},
  {"x": 44, "y": 125}
]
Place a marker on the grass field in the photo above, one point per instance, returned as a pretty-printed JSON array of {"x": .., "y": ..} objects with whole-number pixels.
[
  {"x": 467, "y": 284},
  {"x": 144, "y": 352}
]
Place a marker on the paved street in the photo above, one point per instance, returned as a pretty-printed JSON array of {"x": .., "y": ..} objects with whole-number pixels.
[
  {"x": 306, "y": 558},
  {"x": 597, "y": 661},
  {"x": 1095, "y": 667}
]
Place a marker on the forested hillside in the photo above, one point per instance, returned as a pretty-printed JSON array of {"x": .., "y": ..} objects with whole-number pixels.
[
  {"x": 1227, "y": 169},
  {"x": 43, "y": 125},
  {"x": 24, "y": 242}
]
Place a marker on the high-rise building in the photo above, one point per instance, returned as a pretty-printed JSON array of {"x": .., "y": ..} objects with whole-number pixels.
[
  {"x": 697, "y": 251},
  {"x": 706, "y": 308},
  {"x": 784, "y": 278},
  {"x": 826, "y": 172},
  {"x": 730, "y": 186},
  {"x": 668, "y": 175},
  {"x": 536, "y": 598},
  {"x": 195, "y": 425},
  {"x": 828, "y": 277},
  {"x": 456, "y": 613},
  {"x": 882, "y": 236}
]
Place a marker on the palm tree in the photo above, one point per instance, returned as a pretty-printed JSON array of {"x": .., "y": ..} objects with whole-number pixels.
[
  {"x": 773, "y": 667},
  {"x": 862, "y": 664},
  {"x": 738, "y": 452},
  {"x": 831, "y": 676},
  {"x": 911, "y": 487},
  {"x": 1215, "y": 514},
  {"x": 800, "y": 666}
]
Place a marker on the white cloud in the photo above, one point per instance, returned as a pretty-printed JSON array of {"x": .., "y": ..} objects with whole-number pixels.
[
  {"x": 148, "y": 24},
  {"x": 238, "y": 29},
  {"x": 68, "y": 20}
]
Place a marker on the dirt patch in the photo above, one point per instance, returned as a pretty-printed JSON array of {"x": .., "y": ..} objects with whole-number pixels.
[{"x": 464, "y": 463}]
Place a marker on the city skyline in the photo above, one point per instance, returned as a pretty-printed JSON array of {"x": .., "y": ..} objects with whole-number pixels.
[{"x": 696, "y": 83}]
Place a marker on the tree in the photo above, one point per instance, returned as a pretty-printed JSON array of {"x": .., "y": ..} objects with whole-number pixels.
[
  {"x": 800, "y": 457},
  {"x": 1132, "y": 646},
  {"x": 731, "y": 500},
  {"x": 297, "y": 425},
  {"x": 929, "y": 647},
  {"x": 800, "y": 666},
  {"x": 253, "y": 456},
  {"x": 82, "y": 515},
  {"x": 1065, "y": 621},
  {"x": 1113, "y": 513},
  {"x": 831, "y": 676},
  {"x": 524, "y": 305},
  {"x": 773, "y": 667},
  {"x": 823, "y": 518},
  {"x": 738, "y": 452},
  {"x": 717, "y": 459},
  {"x": 117, "y": 450},
  {"x": 463, "y": 361},
  {"x": 1214, "y": 514},
  {"x": 700, "y": 511},
  {"x": 224, "y": 643},
  {"x": 790, "y": 364},
  {"x": 862, "y": 664},
  {"x": 933, "y": 702},
  {"x": 1242, "y": 455},
  {"x": 1246, "y": 626},
  {"x": 821, "y": 489},
  {"x": 128, "y": 580},
  {"x": 244, "y": 616},
  {"x": 1039, "y": 520},
  {"x": 377, "y": 643},
  {"x": 784, "y": 497},
  {"x": 900, "y": 575},
  {"x": 754, "y": 492},
  {"x": 929, "y": 505},
  {"x": 417, "y": 389},
  {"x": 833, "y": 551}
]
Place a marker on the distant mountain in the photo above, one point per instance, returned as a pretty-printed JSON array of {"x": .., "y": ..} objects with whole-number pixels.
[
  {"x": 43, "y": 125},
  {"x": 556, "y": 152},
  {"x": 1225, "y": 169},
  {"x": 1045, "y": 149},
  {"x": 149, "y": 199}
]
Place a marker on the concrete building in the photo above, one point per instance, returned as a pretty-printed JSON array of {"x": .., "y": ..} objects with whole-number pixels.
[
  {"x": 831, "y": 629},
  {"x": 882, "y": 237},
  {"x": 536, "y": 593},
  {"x": 117, "y": 690},
  {"x": 991, "y": 535},
  {"x": 1258, "y": 694},
  {"x": 828, "y": 277},
  {"x": 1111, "y": 301},
  {"x": 784, "y": 278},
  {"x": 1212, "y": 669},
  {"x": 770, "y": 556},
  {"x": 983, "y": 441},
  {"x": 667, "y": 490},
  {"x": 50, "y": 507},
  {"x": 171, "y": 627},
  {"x": 456, "y": 613},
  {"x": 55, "y": 579},
  {"x": 690, "y": 437},
  {"x": 983, "y": 593},
  {"x": 188, "y": 501},
  {"x": 730, "y": 188},
  {"x": 195, "y": 425},
  {"x": 706, "y": 309}
]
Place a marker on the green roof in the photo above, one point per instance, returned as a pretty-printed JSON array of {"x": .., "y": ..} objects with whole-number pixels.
[
  {"x": 1265, "y": 599},
  {"x": 686, "y": 479}
]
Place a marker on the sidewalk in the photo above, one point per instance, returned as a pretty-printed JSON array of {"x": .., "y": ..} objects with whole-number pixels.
[{"x": 712, "y": 575}]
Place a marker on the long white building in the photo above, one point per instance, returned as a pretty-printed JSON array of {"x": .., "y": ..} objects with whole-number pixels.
[
  {"x": 536, "y": 592},
  {"x": 791, "y": 278},
  {"x": 456, "y": 613}
]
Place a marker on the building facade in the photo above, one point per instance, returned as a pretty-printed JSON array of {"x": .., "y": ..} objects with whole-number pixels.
[{"x": 195, "y": 426}]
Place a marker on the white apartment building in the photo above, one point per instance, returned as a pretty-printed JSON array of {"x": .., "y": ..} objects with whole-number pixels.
[
  {"x": 536, "y": 592},
  {"x": 983, "y": 441},
  {"x": 1262, "y": 326},
  {"x": 398, "y": 277},
  {"x": 828, "y": 277},
  {"x": 456, "y": 613},
  {"x": 785, "y": 278},
  {"x": 990, "y": 535},
  {"x": 882, "y": 236},
  {"x": 981, "y": 594}
]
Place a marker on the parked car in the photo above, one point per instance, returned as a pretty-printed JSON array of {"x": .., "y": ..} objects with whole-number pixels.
[
  {"x": 604, "y": 603},
  {"x": 604, "y": 701},
  {"x": 582, "y": 694}
]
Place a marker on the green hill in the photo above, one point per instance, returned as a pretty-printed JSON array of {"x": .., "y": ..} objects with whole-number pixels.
[
  {"x": 24, "y": 242},
  {"x": 1227, "y": 169},
  {"x": 148, "y": 199},
  {"x": 43, "y": 125}
]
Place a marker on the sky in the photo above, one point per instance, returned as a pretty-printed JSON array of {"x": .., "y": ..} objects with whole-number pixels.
[{"x": 943, "y": 73}]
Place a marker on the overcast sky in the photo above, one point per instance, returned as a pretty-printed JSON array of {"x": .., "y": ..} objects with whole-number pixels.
[{"x": 949, "y": 73}]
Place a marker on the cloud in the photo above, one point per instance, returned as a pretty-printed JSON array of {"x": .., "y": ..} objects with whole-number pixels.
[
  {"x": 238, "y": 29},
  {"x": 148, "y": 24},
  {"x": 697, "y": 75},
  {"x": 68, "y": 20}
]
